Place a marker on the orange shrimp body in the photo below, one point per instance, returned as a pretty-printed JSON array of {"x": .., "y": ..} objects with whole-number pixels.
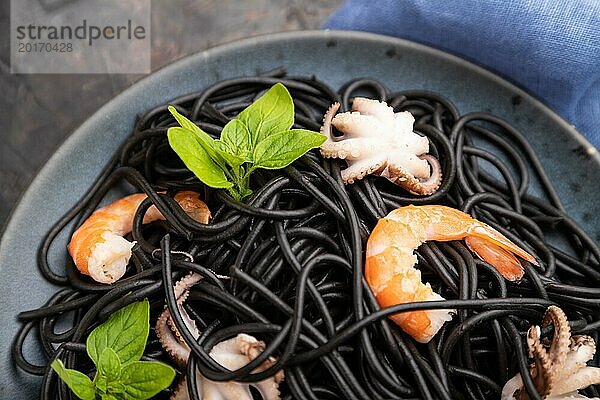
[
  {"x": 390, "y": 259},
  {"x": 98, "y": 247}
]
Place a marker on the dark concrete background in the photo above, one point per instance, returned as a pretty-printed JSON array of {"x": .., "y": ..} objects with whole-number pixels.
[{"x": 37, "y": 112}]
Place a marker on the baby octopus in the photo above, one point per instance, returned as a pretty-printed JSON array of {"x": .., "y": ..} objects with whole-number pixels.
[
  {"x": 560, "y": 368},
  {"x": 380, "y": 142},
  {"x": 232, "y": 354}
]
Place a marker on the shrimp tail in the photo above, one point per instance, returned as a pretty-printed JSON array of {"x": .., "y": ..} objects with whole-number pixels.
[
  {"x": 504, "y": 261},
  {"x": 494, "y": 248}
]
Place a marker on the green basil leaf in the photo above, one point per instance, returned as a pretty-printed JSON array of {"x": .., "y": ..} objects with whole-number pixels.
[
  {"x": 202, "y": 137},
  {"x": 281, "y": 149},
  {"x": 183, "y": 121},
  {"x": 144, "y": 379},
  {"x": 196, "y": 159},
  {"x": 116, "y": 387},
  {"x": 125, "y": 332},
  {"x": 237, "y": 138},
  {"x": 245, "y": 193},
  {"x": 228, "y": 155},
  {"x": 109, "y": 365},
  {"x": 273, "y": 112},
  {"x": 108, "y": 379},
  {"x": 78, "y": 382},
  {"x": 101, "y": 383}
]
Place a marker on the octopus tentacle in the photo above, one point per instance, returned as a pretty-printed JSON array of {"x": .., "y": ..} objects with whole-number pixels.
[
  {"x": 167, "y": 332},
  {"x": 378, "y": 109},
  {"x": 326, "y": 127},
  {"x": 359, "y": 169},
  {"x": 232, "y": 354},
  {"x": 177, "y": 350},
  {"x": 349, "y": 149},
  {"x": 562, "y": 334},
  {"x": 431, "y": 184},
  {"x": 560, "y": 367},
  {"x": 583, "y": 378},
  {"x": 542, "y": 370},
  {"x": 397, "y": 174}
]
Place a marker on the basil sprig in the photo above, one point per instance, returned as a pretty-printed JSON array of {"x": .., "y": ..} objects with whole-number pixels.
[
  {"x": 259, "y": 137},
  {"x": 116, "y": 347}
]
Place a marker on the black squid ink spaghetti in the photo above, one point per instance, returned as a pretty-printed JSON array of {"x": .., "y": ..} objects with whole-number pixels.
[{"x": 286, "y": 264}]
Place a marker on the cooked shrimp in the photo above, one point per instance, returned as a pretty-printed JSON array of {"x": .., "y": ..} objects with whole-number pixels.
[
  {"x": 389, "y": 267},
  {"x": 98, "y": 246}
]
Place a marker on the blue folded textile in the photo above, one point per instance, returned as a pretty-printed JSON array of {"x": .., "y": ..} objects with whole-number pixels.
[{"x": 549, "y": 47}]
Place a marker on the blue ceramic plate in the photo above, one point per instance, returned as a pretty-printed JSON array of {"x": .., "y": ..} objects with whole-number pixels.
[{"x": 334, "y": 57}]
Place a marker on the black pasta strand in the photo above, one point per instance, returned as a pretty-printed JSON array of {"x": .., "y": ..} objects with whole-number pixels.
[{"x": 286, "y": 264}]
